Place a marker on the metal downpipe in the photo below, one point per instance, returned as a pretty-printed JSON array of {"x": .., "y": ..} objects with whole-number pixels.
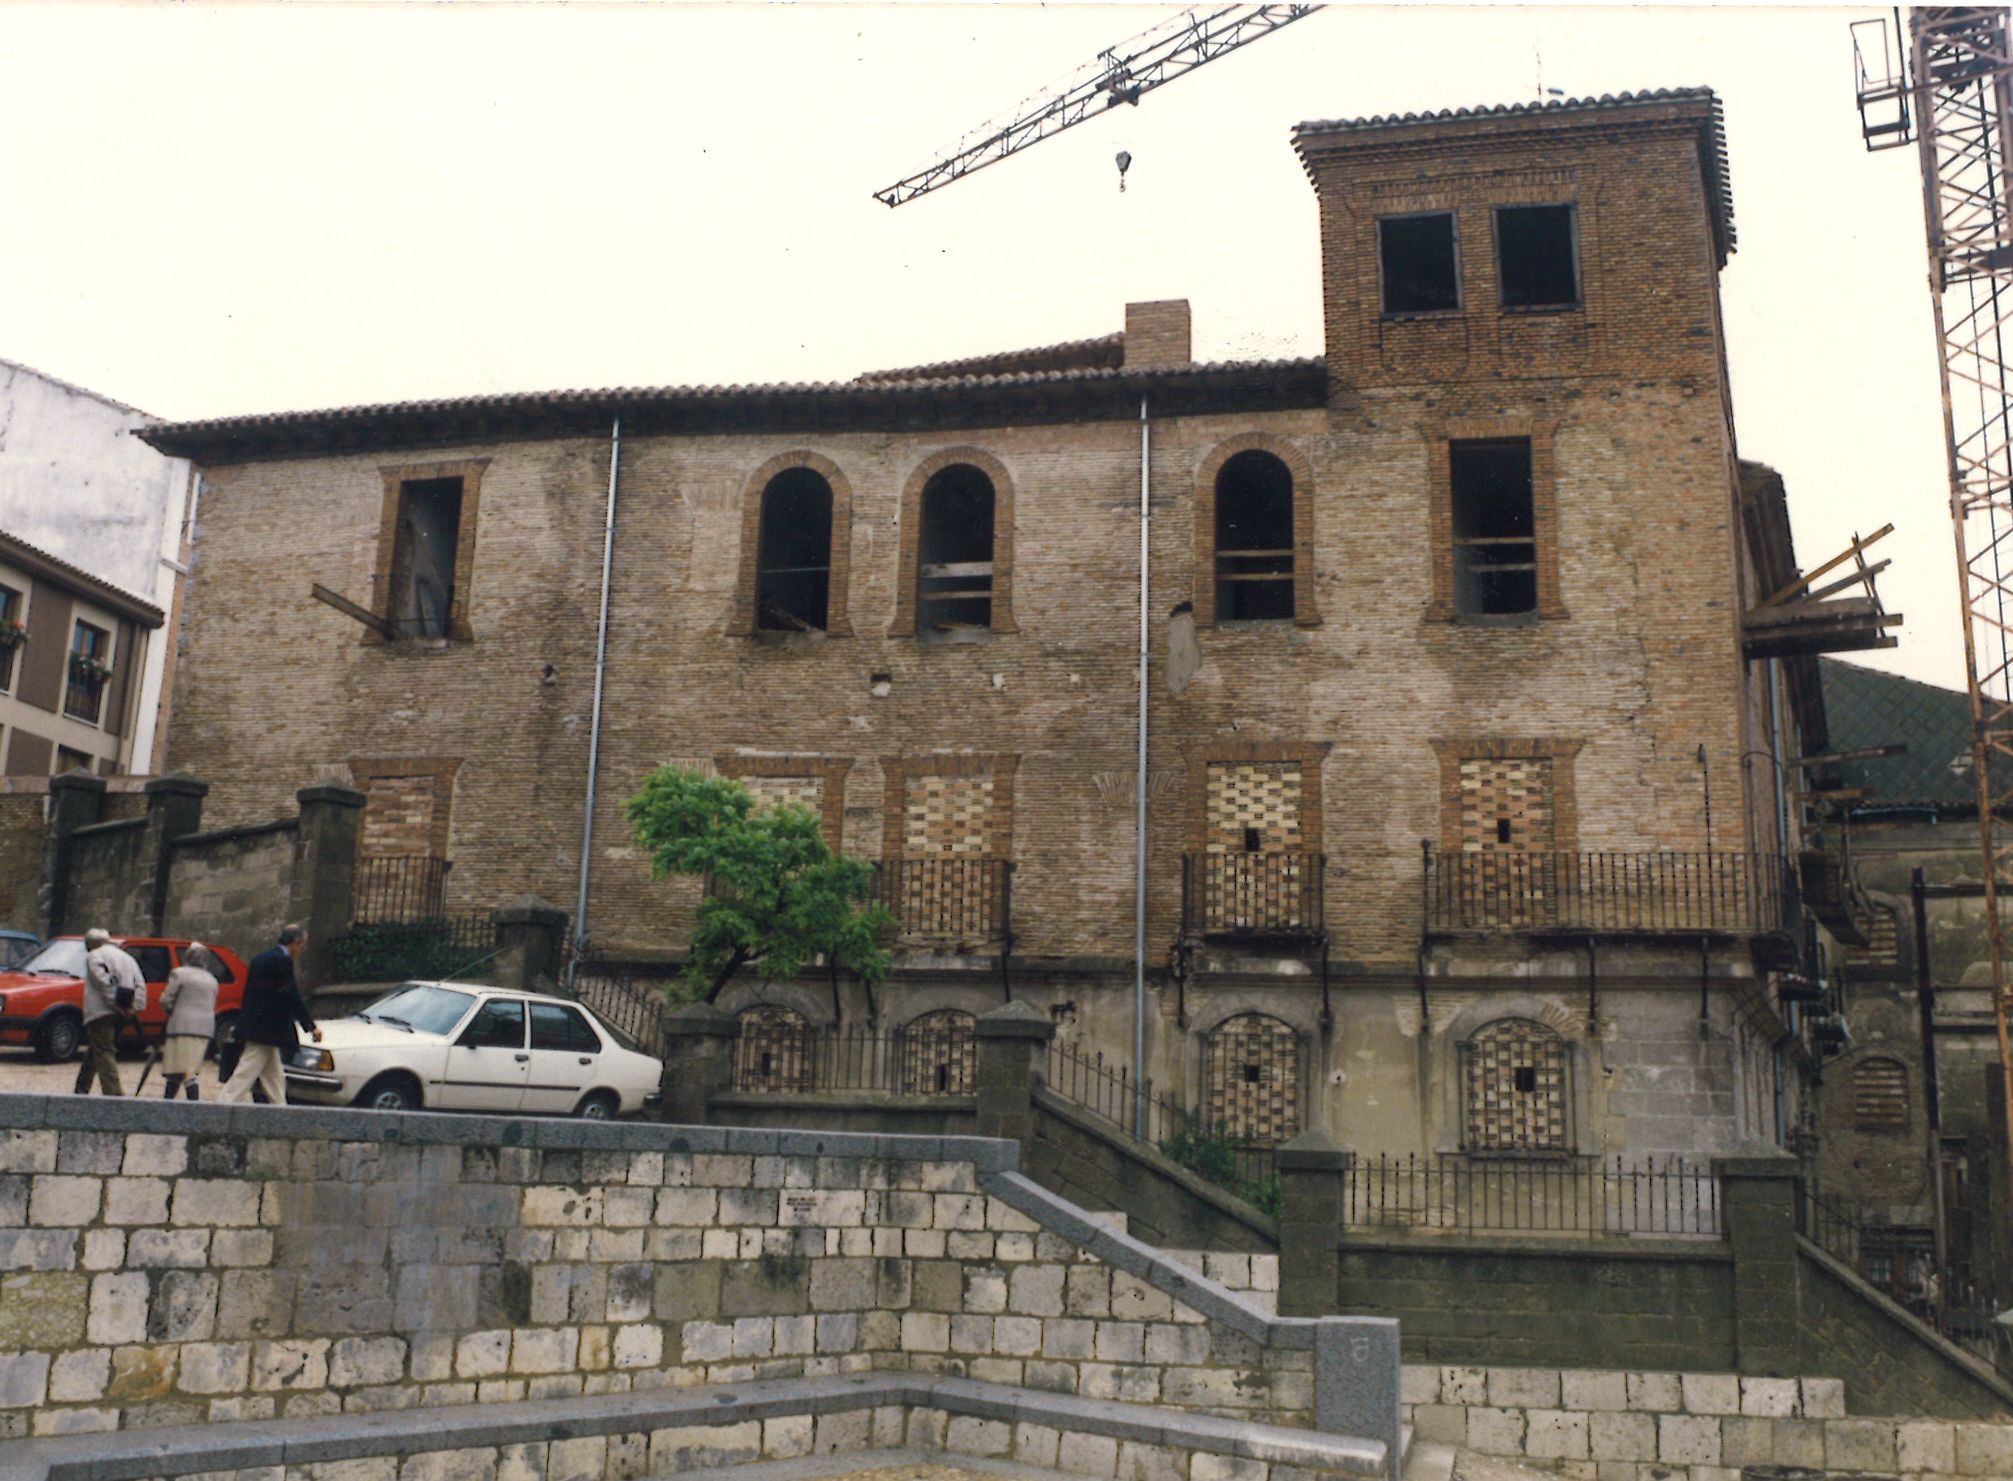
[
  {"x": 1139, "y": 827},
  {"x": 594, "y": 725}
]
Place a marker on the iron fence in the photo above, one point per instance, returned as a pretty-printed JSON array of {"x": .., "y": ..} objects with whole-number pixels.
[
  {"x": 948, "y": 897},
  {"x": 906, "y": 1061},
  {"x": 1110, "y": 1091},
  {"x": 1570, "y": 1195},
  {"x": 1650, "y": 893},
  {"x": 403, "y": 888},
  {"x": 1902, "y": 1263},
  {"x": 1252, "y": 894},
  {"x": 628, "y": 997}
]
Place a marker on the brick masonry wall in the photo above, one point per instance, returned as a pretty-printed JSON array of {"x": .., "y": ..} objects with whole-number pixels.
[
  {"x": 222, "y": 1266},
  {"x": 1627, "y": 1425},
  {"x": 231, "y": 890}
]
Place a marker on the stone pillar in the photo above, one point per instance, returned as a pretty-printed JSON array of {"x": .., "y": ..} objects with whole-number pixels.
[
  {"x": 324, "y": 872},
  {"x": 174, "y": 810},
  {"x": 1012, "y": 1054},
  {"x": 1313, "y": 1192},
  {"x": 531, "y": 935},
  {"x": 698, "y": 1061},
  {"x": 1757, "y": 1205},
  {"x": 76, "y": 800}
]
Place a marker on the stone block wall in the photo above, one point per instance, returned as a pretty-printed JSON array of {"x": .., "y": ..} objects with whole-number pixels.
[
  {"x": 110, "y": 876},
  {"x": 232, "y": 887},
  {"x": 1629, "y": 1425},
  {"x": 193, "y": 1264},
  {"x": 21, "y": 833}
]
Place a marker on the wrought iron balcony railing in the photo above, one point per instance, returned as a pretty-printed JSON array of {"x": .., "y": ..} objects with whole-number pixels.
[
  {"x": 1252, "y": 896},
  {"x": 954, "y": 898},
  {"x": 1661, "y": 893}
]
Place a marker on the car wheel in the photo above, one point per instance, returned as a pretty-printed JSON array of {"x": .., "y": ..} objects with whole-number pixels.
[
  {"x": 390, "y": 1093},
  {"x": 61, "y": 1034},
  {"x": 226, "y": 1026},
  {"x": 600, "y": 1106}
]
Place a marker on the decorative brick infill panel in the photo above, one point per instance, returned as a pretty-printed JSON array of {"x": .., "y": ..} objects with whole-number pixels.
[{"x": 175, "y": 1265}]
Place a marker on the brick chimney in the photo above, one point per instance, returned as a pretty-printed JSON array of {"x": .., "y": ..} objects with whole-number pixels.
[{"x": 1156, "y": 334}]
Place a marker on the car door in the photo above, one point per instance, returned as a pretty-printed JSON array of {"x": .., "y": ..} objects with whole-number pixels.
[
  {"x": 487, "y": 1062},
  {"x": 564, "y": 1052},
  {"x": 154, "y": 964}
]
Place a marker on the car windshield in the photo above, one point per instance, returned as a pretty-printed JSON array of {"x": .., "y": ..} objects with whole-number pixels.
[
  {"x": 421, "y": 1006},
  {"x": 64, "y": 958}
]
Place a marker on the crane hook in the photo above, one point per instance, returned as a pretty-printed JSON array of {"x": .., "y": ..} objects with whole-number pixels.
[{"x": 1124, "y": 164}]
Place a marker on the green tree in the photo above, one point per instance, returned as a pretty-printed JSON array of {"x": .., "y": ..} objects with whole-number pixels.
[{"x": 780, "y": 896}]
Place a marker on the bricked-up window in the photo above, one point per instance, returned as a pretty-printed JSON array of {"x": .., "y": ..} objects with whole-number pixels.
[
  {"x": 939, "y": 1054},
  {"x": 1254, "y": 539},
  {"x": 774, "y": 1051},
  {"x": 793, "y": 576},
  {"x": 1515, "y": 1084},
  {"x": 1495, "y": 529},
  {"x": 1883, "y": 945},
  {"x": 1420, "y": 263},
  {"x": 1880, "y": 1095},
  {"x": 1251, "y": 1080},
  {"x": 1537, "y": 260},
  {"x": 13, "y": 614},
  {"x": 424, "y": 555},
  {"x": 90, "y": 667},
  {"x": 954, "y": 561}
]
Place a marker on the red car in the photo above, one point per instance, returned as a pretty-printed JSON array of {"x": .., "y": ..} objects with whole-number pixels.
[{"x": 42, "y": 1000}]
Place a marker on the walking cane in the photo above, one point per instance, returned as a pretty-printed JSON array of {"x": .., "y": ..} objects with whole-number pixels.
[{"x": 146, "y": 1069}]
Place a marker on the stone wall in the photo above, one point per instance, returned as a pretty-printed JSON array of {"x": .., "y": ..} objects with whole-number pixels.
[
  {"x": 1534, "y": 1302},
  {"x": 185, "y": 1264},
  {"x": 233, "y": 886},
  {"x": 1637, "y": 1425},
  {"x": 110, "y": 879},
  {"x": 21, "y": 833}
]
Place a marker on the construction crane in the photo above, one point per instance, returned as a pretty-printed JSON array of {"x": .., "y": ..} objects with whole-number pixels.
[
  {"x": 1120, "y": 74},
  {"x": 1946, "y": 85}
]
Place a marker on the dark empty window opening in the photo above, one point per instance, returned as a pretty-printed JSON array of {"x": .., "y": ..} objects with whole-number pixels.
[
  {"x": 1502, "y": 830},
  {"x": 1525, "y": 1077},
  {"x": 1254, "y": 539},
  {"x": 1421, "y": 267},
  {"x": 793, "y": 563},
  {"x": 1254, "y": 1074},
  {"x": 1254, "y": 841},
  {"x": 1495, "y": 539},
  {"x": 1536, "y": 261},
  {"x": 423, "y": 557},
  {"x": 954, "y": 558}
]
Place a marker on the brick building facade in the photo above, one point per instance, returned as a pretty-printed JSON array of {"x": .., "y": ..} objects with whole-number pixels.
[{"x": 1452, "y": 843}]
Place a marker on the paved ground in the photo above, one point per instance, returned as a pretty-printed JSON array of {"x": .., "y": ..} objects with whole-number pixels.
[{"x": 21, "y": 1072}]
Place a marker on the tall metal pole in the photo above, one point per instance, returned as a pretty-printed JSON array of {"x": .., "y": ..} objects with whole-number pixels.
[{"x": 1139, "y": 824}]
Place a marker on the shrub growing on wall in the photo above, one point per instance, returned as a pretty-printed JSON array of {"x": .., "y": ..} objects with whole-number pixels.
[{"x": 777, "y": 896}]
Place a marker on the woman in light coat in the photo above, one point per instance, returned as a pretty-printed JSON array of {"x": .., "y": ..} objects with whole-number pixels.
[{"x": 190, "y": 1001}]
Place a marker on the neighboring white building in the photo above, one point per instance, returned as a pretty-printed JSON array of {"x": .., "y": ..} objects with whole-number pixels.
[{"x": 75, "y": 483}]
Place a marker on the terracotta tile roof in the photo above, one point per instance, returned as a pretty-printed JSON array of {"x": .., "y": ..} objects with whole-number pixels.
[
  {"x": 1106, "y": 352},
  {"x": 1712, "y": 139},
  {"x": 41, "y": 564},
  {"x": 965, "y": 400}
]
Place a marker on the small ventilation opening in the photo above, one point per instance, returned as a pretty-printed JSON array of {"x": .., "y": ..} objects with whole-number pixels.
[
  {"x": 1254, "y": 841},
  {"x": 1525, "y": 1077},
  {"x": 1254, "y": 1074},
  {"x": 1535, "y": 265},
  {"x": 1421, "y": 267},
  {"x": 1495, "y": 528},
  {"x": 1502, "y": 830}
]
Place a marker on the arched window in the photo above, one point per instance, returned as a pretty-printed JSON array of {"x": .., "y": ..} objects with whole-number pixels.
[
  {"x": 773, "y": 1052},
  {"x": 954, "y": 552},
  {"x": 1880, "y": 1095},
  {"x": 793, "y": 562},
  {"x": 1515, "y": 1079},
  {"x": 939, "y": 1054},
  {"x": 1254, "y": 539},
  {"x": 1251, "y": 1080}
]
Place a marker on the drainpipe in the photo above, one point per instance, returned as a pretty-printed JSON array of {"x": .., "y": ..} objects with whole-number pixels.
[
  {"x": 594, "y": 725},
  {"x": 1139, "y": 825}
]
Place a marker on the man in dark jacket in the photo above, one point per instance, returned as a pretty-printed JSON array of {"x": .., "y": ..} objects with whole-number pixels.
[{"x": 266, "y": 1020}]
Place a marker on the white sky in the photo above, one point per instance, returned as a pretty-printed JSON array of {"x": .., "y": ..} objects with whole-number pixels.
[{"x": 216, "y": 209}]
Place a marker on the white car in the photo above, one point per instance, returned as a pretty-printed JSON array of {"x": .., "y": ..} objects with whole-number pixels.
[{"x": 453, "y": 1046}]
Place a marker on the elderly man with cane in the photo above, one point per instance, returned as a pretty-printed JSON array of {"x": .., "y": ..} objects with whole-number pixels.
[{"x": 113, "y": 989}]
